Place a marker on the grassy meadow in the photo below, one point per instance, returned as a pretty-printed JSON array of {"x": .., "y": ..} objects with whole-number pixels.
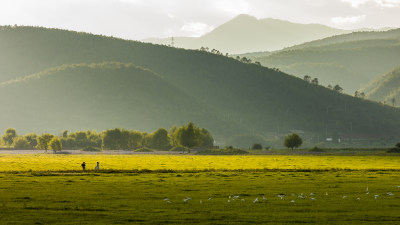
[{"x": 151, "y": 189}]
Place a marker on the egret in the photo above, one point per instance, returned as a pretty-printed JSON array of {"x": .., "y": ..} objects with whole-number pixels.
[
  {"x": 390, "y": 193},
  {"x": 313, "y": 199},
  {"x": 367, "y": 190},
  {"x": 201, "y": 202},
  {"x": 186, "y": 199},
  {"x": 243, "y": 200},
  {"x": 344, "y": 197},
  {"x": 300, "y": 196},
  {"x": 311, "y": 193},
  {"x": 358, "y": 199},
  {"x": 166, "y": 199},
  {"x": 264, "y": 198},
  {"x": 237, "y": 196},
  {"x": 292, "y": 201},
  {"x": 209, "y": 198},
  {"x": 229, "y": 200},
  {"x": 326, "y": 193},
  {"x": 255, "y": 200}
]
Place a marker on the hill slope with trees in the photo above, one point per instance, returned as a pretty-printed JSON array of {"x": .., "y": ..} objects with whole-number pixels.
[
  {"x": 350, "y": 60},
  {"x": 219, "y": 93},
  {"x": 385, "y": 88}
]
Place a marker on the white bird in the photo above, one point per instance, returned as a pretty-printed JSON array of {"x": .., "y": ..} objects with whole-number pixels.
[
  {"x": 326, "y": 193},
  {"x": 293, "y": 195},
  {"x": 292, "y": 201},
  {"x": 300, "y": 196},
  {"x": 367, "y": 190},
  {"x": 255, "y": 200},
  {"x": 280, "y": 196},
  {"x": 358, "y": 199},
  {"x": 209, "y": 198},
  {"x": 229, "y": 196},
  {"x": 313, "y": 199},
  {"x": 344, "y": 197},
  {"x": 367, "y": 193},
  {"x": 201, "y": 202},
  {"x": 166, "y": 199},
  {"x": 237, "y": 196},
  {"x": 398, "y": 186},
  {"x": 264, "y": 198},
  {"x": 390, "y": 193},
  {"x": 169, "y": 202},
  {"x": 376, "y": 196},
  {"x": 186, "y": 199},
  {"x": 243, "y": 200},
  {"x": 311, "y": 193},
  {"x": 229, "y": 200}
]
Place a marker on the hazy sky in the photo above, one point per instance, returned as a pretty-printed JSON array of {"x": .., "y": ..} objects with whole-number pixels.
[{"x": 138, "y": 19}]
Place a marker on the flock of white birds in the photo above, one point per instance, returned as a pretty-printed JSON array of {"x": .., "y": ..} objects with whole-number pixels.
[{"x": 292, "y": 197}]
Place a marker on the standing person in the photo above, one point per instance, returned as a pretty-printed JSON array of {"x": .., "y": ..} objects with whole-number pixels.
[
  {"x": 83, "y": 166},
  {"x": 98, "y": 166}
]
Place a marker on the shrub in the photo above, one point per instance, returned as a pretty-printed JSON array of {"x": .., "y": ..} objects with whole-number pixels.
[
  {"x": 316, "y": 149},
  {"x": 143, "y": 150},
  {"x": 179, "y": 149},
  {"x": 256, "y": 147},
  {"x": 393, "y": 150},
  {"x": 91, "y": 149},
  {"x": 225, "y": 151}
]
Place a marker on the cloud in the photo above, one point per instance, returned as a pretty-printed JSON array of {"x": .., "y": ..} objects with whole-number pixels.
[
  {"x": 380, "y": 3},
  {"x": 348, "y": 19},
  {"x": 196, "y": 28}
]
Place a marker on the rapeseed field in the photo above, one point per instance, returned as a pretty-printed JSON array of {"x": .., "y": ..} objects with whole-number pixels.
[{"x": 59, "y": 162}]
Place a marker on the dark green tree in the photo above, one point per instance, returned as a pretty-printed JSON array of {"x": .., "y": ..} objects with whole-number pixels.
[
  {"x": 293, "y": 141},
  {"x": 9, "y": 136},
  {"x": 206, "y": 139},
  {"x": 160, "y": 140},
  {"x": 55, "y": 144},
  {"x": 337, "y": 88},
  {"x": 256, "y": 147},
  {"x": 307, "y": 78},
  {"x": 112, "y": 139},
  {"x": 189, "y": 136},
  {"x": 32, "y": 139},
  {"x": 43, "y": 141}
]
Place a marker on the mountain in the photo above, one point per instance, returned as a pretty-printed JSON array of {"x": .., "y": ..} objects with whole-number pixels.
[
  {"x": 350, "y": 60},
  {"x": 89, "y": 81},
  {"x": 385, "y": 88},
  {"x": 245, "y": 33}
]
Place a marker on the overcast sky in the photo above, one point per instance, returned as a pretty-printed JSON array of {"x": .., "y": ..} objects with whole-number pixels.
[{"x": 138, "y": 19}]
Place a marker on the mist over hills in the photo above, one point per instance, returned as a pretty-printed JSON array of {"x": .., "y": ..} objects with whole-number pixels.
[
  {"x": 149, "y": 86},
  {"x": 246, "y": 33},
  {"x": 350, "y": 60}
]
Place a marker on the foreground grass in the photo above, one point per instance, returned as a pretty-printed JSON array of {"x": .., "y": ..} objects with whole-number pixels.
[
  {"x": 45, "y": 162},
  {"x": 122, "y": 198}
]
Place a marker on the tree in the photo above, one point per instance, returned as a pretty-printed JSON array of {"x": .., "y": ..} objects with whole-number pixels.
[
  {"x": 206, "y": 139},
  {"x": 9, "y": 136},
  {"x": 32, "y": 139},
  {"x": 315, "y": 81},
  {"x": 356, "y": 94},
  {"x": 111, "y": 139},
  {"x": 307, "y": 78},
  {"x": 21, "y": 143},
  {"x": 189, "y": 136},
  {"x": 393, "y": 100},
  {"x": 43, "y": 141},
  {"x": 55, "y": 144},
  {"x": 160, "y": 140},
  {"x": 337, "y": 88},
  {"x": 293, "y": 141},
  {"x": 65, "y": 133},
  {"x": 134, "y": 140}
]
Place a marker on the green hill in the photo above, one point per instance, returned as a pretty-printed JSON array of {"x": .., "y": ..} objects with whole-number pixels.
[
  {"x": 350, "y": 60},
  {"x": 100, "y": 96},
  {"x": 245, "y": 33},
  {"x": 217, "y": 92},
  {"x": 385, "y": 88}
]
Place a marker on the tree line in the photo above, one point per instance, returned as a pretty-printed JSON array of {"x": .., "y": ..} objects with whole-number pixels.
[{"x": 187, "y": 136}]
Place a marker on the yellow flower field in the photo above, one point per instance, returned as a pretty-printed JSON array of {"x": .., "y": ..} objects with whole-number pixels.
[{"x": 44, "y": 162}]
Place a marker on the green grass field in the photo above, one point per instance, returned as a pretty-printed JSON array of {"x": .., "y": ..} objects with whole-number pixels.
[{"x": 122, "y": 197}]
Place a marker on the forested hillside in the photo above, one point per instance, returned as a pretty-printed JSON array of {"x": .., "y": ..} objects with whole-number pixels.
[
  {"x": 246, "y": 33},
  {"x": 385, "y": 88},
  {"x": 350, "y": 60},
  {"x": 220, "y": 93}
]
